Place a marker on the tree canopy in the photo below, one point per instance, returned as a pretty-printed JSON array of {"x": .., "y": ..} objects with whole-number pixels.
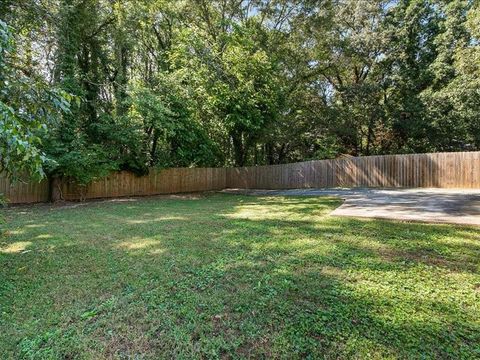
[{"x": 227, "y": 82}]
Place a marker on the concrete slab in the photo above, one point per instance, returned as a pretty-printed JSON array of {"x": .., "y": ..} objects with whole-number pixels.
[{"x": 455, "y": 206}]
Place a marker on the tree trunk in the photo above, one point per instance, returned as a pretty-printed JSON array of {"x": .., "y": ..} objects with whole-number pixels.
[
  {"x": 370, "y": 134},
  {"x": 269, "y": 153},
  {"x": 239, "y": 150},
  {"x": 282, "y": 153},
  {"x": 55, "y": 193},
  {"x": 153, "y": 150}
]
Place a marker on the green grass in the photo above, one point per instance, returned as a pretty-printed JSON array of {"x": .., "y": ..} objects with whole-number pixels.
[{"x": 225, "y": 276}]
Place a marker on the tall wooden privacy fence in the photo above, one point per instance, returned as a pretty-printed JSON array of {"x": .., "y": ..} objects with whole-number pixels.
[
  {"x": 168, "y": 181},
  {"x": 19, "y": 192},
  {"x": 121, "y": 184},
  {"x": 441, "y": 170}
]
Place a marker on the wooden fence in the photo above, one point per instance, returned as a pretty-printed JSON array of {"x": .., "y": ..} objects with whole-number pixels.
[
  {"x": 440, "y": 170},
  {"x": 21, "y": 192},
  {"x": 121, "y": 184},
  {"x": 168, "y": 181}
]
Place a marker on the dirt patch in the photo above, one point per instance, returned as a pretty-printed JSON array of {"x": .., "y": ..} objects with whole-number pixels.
[
  {"x": 427, "y": 258},
  {"x": 133, "y": 199}
]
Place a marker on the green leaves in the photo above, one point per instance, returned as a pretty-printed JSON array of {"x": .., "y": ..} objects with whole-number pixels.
[
  {"x": 236, "y": 82},
  {"x": 28, "y": 105},
  {"x": 171, "y": 137},
  {"x": 215, "y": 83}
]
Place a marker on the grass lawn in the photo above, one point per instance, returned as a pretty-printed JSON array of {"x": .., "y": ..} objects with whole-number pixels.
[{"x": 226, "y": 276}]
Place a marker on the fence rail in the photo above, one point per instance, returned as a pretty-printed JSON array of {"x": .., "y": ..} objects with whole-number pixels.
[{"x": 441, "y": 170}]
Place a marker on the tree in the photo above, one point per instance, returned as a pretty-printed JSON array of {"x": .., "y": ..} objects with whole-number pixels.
[
  {"x": 28, "y": 107},
  {"x": 453, "y": 99},
  {"x": 227, "y": 82}
]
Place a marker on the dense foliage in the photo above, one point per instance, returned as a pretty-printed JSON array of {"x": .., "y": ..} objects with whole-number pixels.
[
  {"x": 223, "y": 82},
  {"x": 27, "y": 106}
]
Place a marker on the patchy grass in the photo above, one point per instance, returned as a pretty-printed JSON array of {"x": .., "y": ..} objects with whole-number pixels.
[{"x": 229, "y": 276}]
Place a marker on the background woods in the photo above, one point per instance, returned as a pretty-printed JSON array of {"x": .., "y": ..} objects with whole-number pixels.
[{"x": 127, "y": 85}]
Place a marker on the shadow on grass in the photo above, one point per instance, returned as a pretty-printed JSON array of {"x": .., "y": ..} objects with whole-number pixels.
[{"x": 236, "y": 276}]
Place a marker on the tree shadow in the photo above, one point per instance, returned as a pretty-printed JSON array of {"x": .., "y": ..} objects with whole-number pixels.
[{"x": 247, "y": 277}]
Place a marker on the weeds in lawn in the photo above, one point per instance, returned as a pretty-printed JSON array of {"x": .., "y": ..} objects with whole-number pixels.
[{"x": 234, "y": 276}]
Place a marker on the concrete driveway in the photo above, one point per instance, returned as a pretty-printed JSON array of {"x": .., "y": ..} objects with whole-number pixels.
[{"x": 455, "y": 206}]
